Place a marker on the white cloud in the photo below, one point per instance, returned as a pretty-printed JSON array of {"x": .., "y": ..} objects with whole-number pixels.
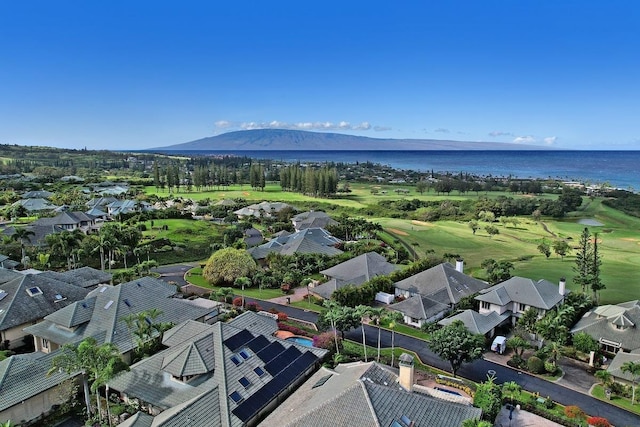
[
  {"x": 500, "y": 133},
  {"x": 550, "y": 140},
  {"x": 223, "y": 124},
  {"x": 524, "y": 140},
  {"x": 275, "y": 124}
]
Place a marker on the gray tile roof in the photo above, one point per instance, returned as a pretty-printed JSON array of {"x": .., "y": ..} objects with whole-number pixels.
[
  {"x": 208, "y": 354},
  {"x": 615, "y": 367},
  {"x": 442, "y": 277},
  {"x": 107, "y": 307},
  {"x": 20, "y": 305},
  {"x": 477, "y": 323},
  {"x": 262, "y": 208},
  {"x": 35, "y": 205},
  {"x": 355, "y": 271},
  {"x": 312, "y": 219},
  {"x": 7, "y": 275},
  {"x": 310, "y": 240},
  {"x": 363, "y": 394},
  {"x": 419, "y": 307},
  {"x": 602, "y": 324},
  {"x": 66, "y": 218},
  {"x": 541, "y": 294},
  {"x": 25, "y": 375},
  {"x": 85, "y": 277},
  {"x": 37, "y": 194}
]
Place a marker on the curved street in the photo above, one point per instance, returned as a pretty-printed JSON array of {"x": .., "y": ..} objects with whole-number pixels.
[{"x": 476, "y": 371}]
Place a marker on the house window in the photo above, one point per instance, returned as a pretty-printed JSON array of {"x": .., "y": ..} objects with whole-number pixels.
[
  {"x": 522, "y": 307},
  {"x": 45, "y": 343},
  {"x": 485, "y": 305}
]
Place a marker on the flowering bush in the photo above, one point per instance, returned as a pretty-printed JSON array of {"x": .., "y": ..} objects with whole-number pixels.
[
  {"x": 292, "y": 329},
  {"x": 237, "y": 302},
  {"x": 282, "y": 317},
  {"x": 253, "y": 306},
  {"x": 573, "y": 412},
  {"x": 326, "y": 340},
  {"x": 598, "y": 422}
]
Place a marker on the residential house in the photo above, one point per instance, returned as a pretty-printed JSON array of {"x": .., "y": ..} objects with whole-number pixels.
[
  {"x": 69, "y": 221},
  {"x": 85, "y": 277},
  {"x": 103, "y": 312},
  {"x": 615, "y": 367},
  {"x": 308, "y": 241},
  {"x": 7, "y": 263},
  {"x": 35, "y": 205},
  {"x": 37, "y": 194},
  {"x": 28, "y": 390},
  {"x": 614, "y": 326},
  {"x": 263, "y": 209},
  {"x": 518, "y": 294},
  {"x": 252, "y": 237},
  {"x": 355, "y": 271},
  {"x": 122, "y": 207},
  {"x": 483, "y": 324},
  {"x": 312, "y": 219},
  {"x": 369, "y": 395},
  {"x": 226, "y": 374},
  {"x": 437, "y": 289},
  {"x": 27, "y": 299}
]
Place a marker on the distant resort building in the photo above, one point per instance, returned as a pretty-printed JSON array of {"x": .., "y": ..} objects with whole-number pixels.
[{"x": 263, "y": 209}]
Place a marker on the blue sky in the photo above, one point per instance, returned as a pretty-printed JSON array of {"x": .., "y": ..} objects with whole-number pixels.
[{"x": 140, "y": 74}]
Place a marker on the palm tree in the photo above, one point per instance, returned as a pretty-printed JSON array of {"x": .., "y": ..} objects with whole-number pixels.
[
  {"x": 376, "y": 315},
  {"x": 513, "y": 388},
  {"x": 21, "y": 235},
  {"x": 605, "y": 377},
  {"x": 333, "y": 315},
  {"x": 363, "y": 311},
  {"x": 107, "y": 363},
  {"x": 393, "y": 317},
  {"x": 241, "y": 282},
  {"x": 633, "y": 368}
]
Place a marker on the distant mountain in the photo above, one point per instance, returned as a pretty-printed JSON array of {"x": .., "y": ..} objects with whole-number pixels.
[{"x": 284, "y": 139}]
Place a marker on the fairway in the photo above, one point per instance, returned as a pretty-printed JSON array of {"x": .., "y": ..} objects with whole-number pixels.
[{"x": 619, "y": 239}]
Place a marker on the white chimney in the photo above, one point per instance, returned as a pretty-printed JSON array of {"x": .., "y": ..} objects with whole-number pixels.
[
  {"x": 562, "y": 286},
  {"x": 460, "y": 265}
]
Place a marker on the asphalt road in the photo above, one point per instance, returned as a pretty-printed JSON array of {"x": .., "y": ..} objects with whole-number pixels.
[{"x": 478, "y": 370}]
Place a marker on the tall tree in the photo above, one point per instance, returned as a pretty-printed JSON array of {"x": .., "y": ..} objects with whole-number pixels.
[
  {"x": 394, "y": 318},
  {"x": 583, "y": 261},
  {"x": 22, "y": 235},
  {"x": 594, "y": 274},
  {"x": 363, "y": 311},
  {"x": 633, "y": 369},
  {"x": 376, "y": 314},
  {"x": 455, "y": 344}
]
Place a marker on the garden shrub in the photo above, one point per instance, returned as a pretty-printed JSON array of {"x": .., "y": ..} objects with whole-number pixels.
[
  {"x": 282, "y": 317},
  {"x": 550, "y": 368},
  {"x": 535, "y": 365},
  {"x": 573, "y": 411},
  {"x": 598, "y": 422},
  {"x": 326, "y": 340}
]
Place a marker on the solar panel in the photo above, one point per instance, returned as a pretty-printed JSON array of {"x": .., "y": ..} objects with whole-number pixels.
[
  {"x": 270, "y": 352},
  {"x": 238, "y": 340},
  {"x": 282, "y": 361},
  {"x": 258, "y": 343}
]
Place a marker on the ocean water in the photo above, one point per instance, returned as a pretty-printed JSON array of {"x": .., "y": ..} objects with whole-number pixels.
[{"x": 620, "y": 169}]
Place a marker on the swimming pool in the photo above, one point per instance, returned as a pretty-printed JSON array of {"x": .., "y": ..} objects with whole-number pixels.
[{"x": 307, "y": 342}]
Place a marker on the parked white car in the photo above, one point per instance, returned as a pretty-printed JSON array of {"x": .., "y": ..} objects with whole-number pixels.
[{"x": 499, "y": 344}]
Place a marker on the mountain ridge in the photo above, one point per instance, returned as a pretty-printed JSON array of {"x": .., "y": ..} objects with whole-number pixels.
[{"x": 288, "y": 139}]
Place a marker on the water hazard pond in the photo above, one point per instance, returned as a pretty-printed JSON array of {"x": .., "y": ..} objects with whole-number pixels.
[{"x": 591, "y": 222}]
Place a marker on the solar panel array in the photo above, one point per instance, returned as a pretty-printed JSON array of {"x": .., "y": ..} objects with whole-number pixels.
[{"x": 284, "y": 364}]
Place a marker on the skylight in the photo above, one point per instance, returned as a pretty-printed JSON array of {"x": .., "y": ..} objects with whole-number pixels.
[
  {"x": 236, "y": 397},
  {"x": 107, "y": 305},
  {"x": 34, "y": 291},
  {"x": 245, "y": 353},
  {"x": 104, "y": 288},
  {"x": 245, "y": 382},
  {"x": 321, "y": 381},
  {"x": 2, "y": 294},
  {"x": 258, "y": 370},
  {"x": 236, "y": 361}
]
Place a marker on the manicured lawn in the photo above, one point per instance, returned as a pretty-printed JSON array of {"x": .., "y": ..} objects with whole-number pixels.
[
  {"x": 622, "y": 402},
  {"x": 194, "y": 276}
]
